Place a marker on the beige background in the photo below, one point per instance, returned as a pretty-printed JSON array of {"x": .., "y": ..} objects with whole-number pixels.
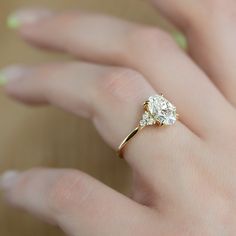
[{"x": 49, "y": 137}]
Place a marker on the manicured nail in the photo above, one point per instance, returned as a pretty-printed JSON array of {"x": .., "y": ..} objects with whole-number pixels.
[
  {"x": 8, "y": 179},
  {"x": 27, "y": 16},
  {"x": 12, "y": 22},
  {"x": 180, "y": 39},
  {"x": 3, "y": 79},
  {"x": 12, "y": 73}
]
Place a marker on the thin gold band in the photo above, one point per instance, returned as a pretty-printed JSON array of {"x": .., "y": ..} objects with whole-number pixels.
[
  {"x": 157, "y": 111},
  {"x": 126, "y": 140}
]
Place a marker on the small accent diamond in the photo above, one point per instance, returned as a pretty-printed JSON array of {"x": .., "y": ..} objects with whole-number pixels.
[{"x": 147, "y": 119}]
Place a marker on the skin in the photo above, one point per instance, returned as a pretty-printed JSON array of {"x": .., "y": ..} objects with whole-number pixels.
[{"x": 184, "y": 175}]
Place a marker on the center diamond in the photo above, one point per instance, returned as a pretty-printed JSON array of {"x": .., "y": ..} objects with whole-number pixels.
[{"x": 159, "y": 110}]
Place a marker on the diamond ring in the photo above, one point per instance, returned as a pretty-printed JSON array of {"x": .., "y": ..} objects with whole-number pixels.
[{"x": 157, "y": 111}]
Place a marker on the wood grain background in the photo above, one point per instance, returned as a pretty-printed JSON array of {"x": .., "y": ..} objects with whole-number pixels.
[{"x": 49, "y": 137}]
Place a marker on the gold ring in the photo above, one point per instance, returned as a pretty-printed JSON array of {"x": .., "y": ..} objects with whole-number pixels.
[{"x": 157, "y": 111}]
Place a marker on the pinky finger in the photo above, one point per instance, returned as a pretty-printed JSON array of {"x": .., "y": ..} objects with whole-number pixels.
[{"x": 76, "y": 202}]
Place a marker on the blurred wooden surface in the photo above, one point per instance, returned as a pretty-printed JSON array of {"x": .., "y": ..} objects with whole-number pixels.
[{"x": 46, "y": 136}]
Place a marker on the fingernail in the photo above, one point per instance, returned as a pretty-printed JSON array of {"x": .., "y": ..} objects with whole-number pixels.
[
  {"x": 180, "y": 39},
  {"x": 26, "y": 16},
  {"x": 3, "y": 80},
  {"x": 12, "y": 73},
  {"x": 8, "y": 179}
]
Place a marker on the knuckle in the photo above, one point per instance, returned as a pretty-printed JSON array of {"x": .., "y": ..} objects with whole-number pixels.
[
  {"x": 50, "y": 71},
  {"x": 122, "y": 84},
  {"x": 50, "y": 77},
  {"x": 151, "y": 39},
  {"x": 68, "y": 191},
  {"x": 65, "y": 19}
]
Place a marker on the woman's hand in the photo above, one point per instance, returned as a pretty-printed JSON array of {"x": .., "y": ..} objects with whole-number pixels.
[{"x": 184, "y": 175}]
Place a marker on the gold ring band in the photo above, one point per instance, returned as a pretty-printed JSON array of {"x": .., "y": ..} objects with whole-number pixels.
[
  {"x": 126, "y": 140},
  {"x": 157, "y": 111}
]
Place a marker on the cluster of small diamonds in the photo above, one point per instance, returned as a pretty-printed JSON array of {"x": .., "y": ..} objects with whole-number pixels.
[{"x": 147, "y": 119}]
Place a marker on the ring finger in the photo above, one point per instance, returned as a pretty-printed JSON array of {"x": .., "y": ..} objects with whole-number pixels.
[{"x": 111, "y": 97}]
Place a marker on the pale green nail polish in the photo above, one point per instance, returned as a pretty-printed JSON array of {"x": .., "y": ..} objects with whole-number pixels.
[
  {"x": 3, "y": 79},
  {"x": 13, "y": 22},
  {"x": 180, "y": 39}
]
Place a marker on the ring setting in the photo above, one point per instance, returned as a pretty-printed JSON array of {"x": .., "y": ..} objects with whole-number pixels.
[{"x": 157, "y": 111}]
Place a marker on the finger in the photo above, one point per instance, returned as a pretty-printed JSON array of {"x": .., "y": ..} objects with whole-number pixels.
[
  {"x": 112, "y": 98},
  {"x": 149, "y": 50},
  {"x": 76, "y": 202},
  {"x": 88, "y": 90},
  {"x": 211, "y": 37}
]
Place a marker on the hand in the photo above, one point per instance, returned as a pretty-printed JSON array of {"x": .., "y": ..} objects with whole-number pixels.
[{"x": 184, "y": 175}]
